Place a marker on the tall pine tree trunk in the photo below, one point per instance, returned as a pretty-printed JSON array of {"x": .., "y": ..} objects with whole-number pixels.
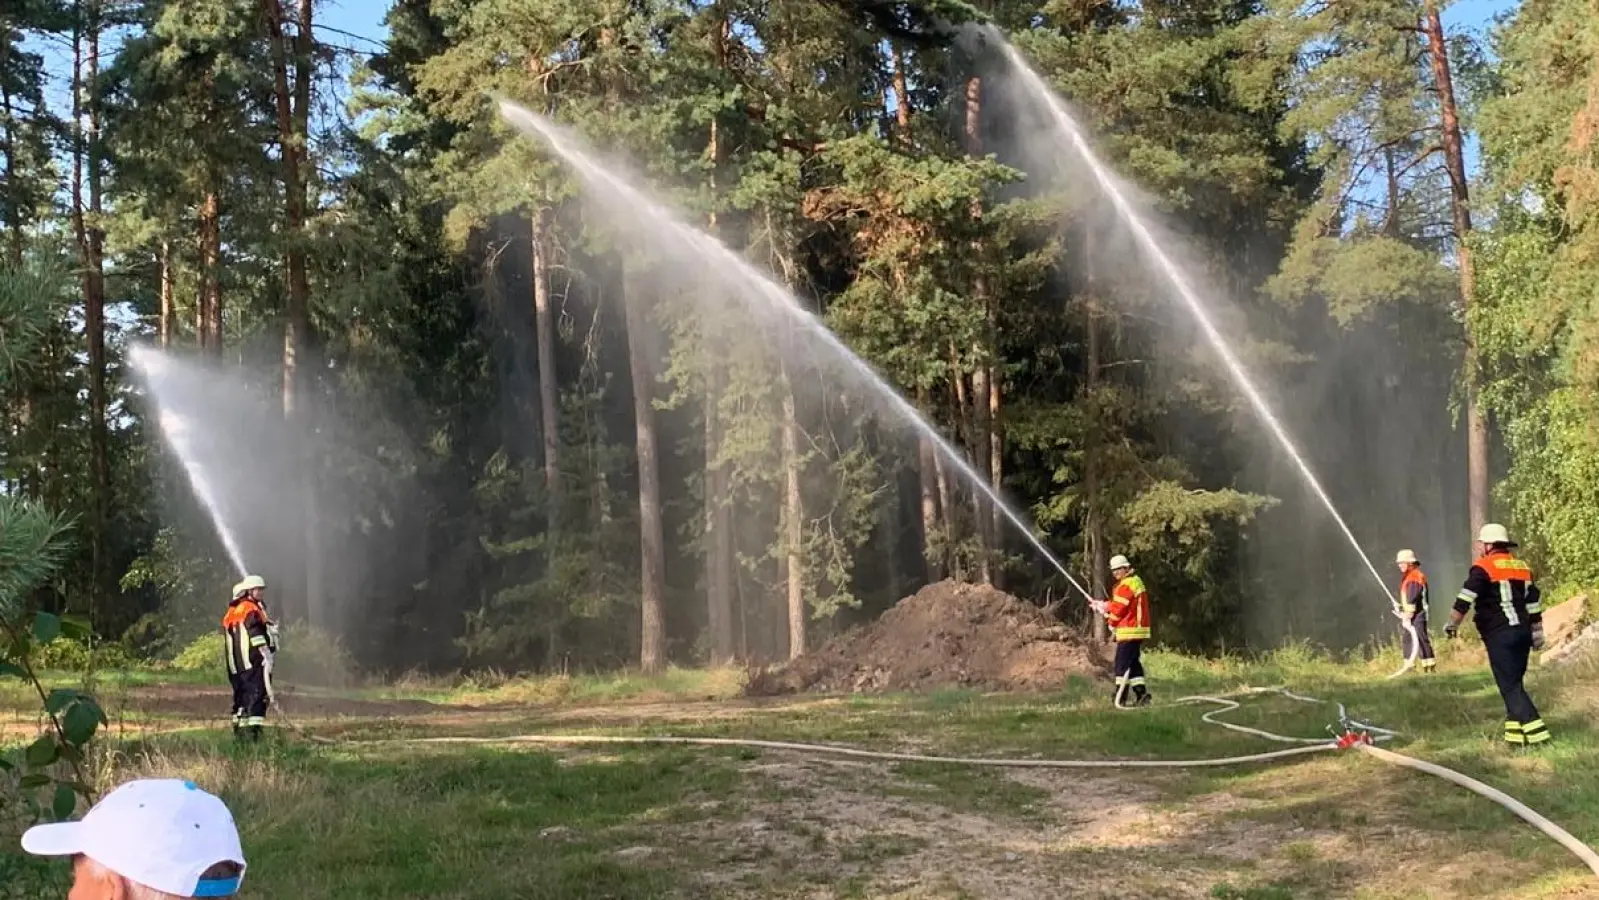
[
  {"x": 652, "y": 546},
  {"x": 549, "y": 390},
  {"x": 793, "y": 524},
  {"x": 292, "y": 106},
  {"x": 13, "y": 188},
  {"x": 1094, "y": 527},
  {"x": 165, "y": 323},
  {"x": 927, "y": 470},
  {"x": 208, "y": 309},
  {"x": 1460, "y": 205},
  {"x": 91, "y": 244},
  {"x": 1098, "y": 552},
  {"x": 996, "y": 468},
  {"x": 549, "y": 413},
  {"x": 946, "y": 503},
  {"x": 717, "y": 480},
  {"x": 981, "y": 441},
  {"x": 718, "y": 523},
  {"x": 928, "y": 465}
]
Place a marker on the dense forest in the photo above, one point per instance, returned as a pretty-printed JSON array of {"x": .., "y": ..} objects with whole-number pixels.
[{"x": 476, "y": 426}]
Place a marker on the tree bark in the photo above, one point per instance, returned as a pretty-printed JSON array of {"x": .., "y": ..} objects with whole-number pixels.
[
  {"x": 549, "y": 390},
  {"x": 981, "y": 441},
  {"x": 291, "y": 118},
  {"x": 208, "y": 311},
  {"x": 996, "y": 469},
  {"x": 15, "y": 223},
  {"x": 946, "y": 504},
  {"x": 292, "y": 106},
  {"x": 91, "y": 248},
  {"x": 793, "y": 525},
  {"x": 652, "y": 547},
  {"x": 1460, "y": 204},
  {"x": 718, "y": 525},
  {"x": 165, "y": 324},
  {"x": 1094, "y": 526},
  {"x": 902, "y": 97},
  {"x": 926, "y": 466},
  {"x": 717, "y": 480}
]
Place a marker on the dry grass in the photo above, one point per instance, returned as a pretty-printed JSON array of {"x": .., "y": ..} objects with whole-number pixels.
[{"x": 405, "y": 821}]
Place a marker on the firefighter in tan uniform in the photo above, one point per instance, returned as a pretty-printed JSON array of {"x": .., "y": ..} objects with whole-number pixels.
[{"x": 1413, "y": 608}]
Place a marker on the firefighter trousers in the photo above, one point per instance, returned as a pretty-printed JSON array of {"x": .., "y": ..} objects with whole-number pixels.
[
  {"x": 1424, "y": 653},
  {"x": 249, "y": 699},
  {"x": 1130, "y": 673},
  {"x": 1508, "y": 649}
]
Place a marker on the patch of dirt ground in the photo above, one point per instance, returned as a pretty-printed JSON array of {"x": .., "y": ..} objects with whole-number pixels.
[
  {"x": 208, "y": 702},
  {"x": 825, "y": 829},
  {"x": 948, "y": 634}
]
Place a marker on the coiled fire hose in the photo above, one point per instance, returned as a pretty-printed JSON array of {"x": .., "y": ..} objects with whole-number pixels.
[{"x": 1356, "y": 734}]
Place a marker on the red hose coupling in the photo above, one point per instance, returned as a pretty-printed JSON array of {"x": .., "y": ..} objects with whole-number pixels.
[{"x": 1351, "y": 738}]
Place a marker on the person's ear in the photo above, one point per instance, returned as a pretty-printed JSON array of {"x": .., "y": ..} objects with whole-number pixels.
[{"x": 92, "y": 881}]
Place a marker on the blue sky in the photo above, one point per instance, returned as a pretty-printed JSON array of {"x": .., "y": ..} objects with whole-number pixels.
[{"x": 365, "y": 17}]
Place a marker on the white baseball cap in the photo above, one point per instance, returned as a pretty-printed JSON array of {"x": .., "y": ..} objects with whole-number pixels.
[{"x": 160, "y": 832}]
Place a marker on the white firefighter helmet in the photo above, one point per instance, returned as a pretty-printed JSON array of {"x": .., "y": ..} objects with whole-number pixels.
[
  {"x": 1493, "y": 534},
  {"x": 250, "y": 583},
  {"x": 1407, "y": 556},
  {"x": 1119, "y": 562}
]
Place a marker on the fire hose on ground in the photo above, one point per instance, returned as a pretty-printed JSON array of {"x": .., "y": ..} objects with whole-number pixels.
[{"x": 1356, "y": 735}]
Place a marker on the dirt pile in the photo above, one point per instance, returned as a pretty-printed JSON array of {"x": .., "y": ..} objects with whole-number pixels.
[{"x": 948, "y": 634}]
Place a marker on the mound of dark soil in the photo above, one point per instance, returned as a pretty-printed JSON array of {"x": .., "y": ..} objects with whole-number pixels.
[{"x": 948, "y": 634}]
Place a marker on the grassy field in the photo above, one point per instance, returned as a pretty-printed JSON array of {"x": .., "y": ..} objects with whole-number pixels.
[{"x": 363, "y": 811}]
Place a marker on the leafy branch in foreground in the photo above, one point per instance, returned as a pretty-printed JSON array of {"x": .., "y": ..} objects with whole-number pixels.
[{"x": 32, "y": 543}]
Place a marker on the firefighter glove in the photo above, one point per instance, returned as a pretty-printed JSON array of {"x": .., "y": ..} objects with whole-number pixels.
[
  {"x": 1537, "y": 636},
  {"x": 1450, "y": 630}
]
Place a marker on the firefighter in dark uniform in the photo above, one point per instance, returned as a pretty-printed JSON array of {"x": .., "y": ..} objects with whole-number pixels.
[
  {"x": 1127, "y": 614},
  {"x": 252, "y": 639},
  {"x": 1510, "y": 619},
  {"x": 1413, "y": 608}
]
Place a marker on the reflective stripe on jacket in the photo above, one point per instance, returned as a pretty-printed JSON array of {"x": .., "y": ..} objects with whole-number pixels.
[
  {"x": 245, "y": 629},
  {"x": 1501, "y": 588},
  {"x": 1128, "y": 609},
  {"x": 1413, "y": 592}
]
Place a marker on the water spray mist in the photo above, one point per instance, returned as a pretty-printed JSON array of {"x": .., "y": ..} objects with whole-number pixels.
[
  {"x": 660, "y": 222},
  {"x": 152, "y": 365},
  {"x": 1109, "y": 183}
]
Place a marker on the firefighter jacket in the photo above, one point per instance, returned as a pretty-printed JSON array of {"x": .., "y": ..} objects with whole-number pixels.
[
  {"x": 1128, "y": 609},
  {"x": 249, "y": 635},
  {"x": 1413, "y": 592},
  {"x": 1501, "y": 588}
]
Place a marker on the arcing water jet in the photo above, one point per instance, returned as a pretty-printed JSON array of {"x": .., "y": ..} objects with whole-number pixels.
[
  {"x": 1180, "y": 282},
  {"x": 154, "y": 367},
  {"x": 761, "y": 296}
]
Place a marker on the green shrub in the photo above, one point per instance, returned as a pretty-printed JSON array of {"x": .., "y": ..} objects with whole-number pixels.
[
  {"x": 306, "y": 655},
  {"x": 204, "y": 652},
  {"x": 67, "y": 655}
]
